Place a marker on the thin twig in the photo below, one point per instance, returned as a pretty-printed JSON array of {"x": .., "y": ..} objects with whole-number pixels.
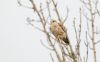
[
  {"x": 56, "y": 10},
  {"x": 51, "y": 57},
  {"x": 66, "y": 16},
  {"x": 45, "y": 45},
  {"x": 97, "y": 42}
]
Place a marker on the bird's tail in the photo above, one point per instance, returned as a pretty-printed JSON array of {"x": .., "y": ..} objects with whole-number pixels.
[{"x": 66, "y": 40}]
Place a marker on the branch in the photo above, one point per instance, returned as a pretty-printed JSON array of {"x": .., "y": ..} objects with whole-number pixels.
[
  {"x": 97, "y": 42},
  {"x": 51, "y": 57},
  {"x": 56, "y": 10},
  {"x": 65, "y": 19},
  {"x": 87, "y": 45},
  {"x": 20, "y": 4},
  {"x": 46, "y": 46}
]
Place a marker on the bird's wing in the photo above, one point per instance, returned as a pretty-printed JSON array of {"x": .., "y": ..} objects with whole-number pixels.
[
  {"x": 56, "y": 29},
  {"x": 52, "y": 30},
  {"x": 61, "y": 25}
]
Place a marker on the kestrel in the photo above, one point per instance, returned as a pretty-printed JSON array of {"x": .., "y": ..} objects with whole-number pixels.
[{"x": 58, "y": 30}]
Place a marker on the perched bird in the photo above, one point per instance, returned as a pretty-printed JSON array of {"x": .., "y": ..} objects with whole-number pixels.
[{"x": 58, "y": 30}]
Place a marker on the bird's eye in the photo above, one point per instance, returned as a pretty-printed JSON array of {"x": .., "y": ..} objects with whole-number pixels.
[{"x": 53, "y": 21}]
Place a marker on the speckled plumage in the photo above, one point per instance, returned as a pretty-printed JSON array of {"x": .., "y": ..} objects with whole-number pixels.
[{"x": 59, "y": 31}]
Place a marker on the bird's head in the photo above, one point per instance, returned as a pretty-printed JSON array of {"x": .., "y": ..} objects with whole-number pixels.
[{"x": 52, "y": 21}]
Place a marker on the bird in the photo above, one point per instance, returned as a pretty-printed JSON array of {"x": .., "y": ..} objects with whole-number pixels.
[{"x": 59, "y": 31}]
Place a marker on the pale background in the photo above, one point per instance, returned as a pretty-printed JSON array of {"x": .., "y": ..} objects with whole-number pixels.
[{"x": 20, "y": 42}]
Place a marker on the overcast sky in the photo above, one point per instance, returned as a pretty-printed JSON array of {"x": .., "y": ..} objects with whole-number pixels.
[{"x": 19, "y": 42}]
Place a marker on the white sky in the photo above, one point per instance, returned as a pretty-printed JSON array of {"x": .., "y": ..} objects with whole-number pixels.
[{"x": 20, "y": 42}]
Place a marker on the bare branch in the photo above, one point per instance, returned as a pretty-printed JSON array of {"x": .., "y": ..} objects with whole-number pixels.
[
  {"x": 45, "y": 45},
  {"x": 48, "y": 7},
  {"x": 66, "y": 16},
  {"x": 35, "y": 26},
  {"x": 97, "y": 42},
  {"x": 85, "y": 15},
  {"x": 88, "y": 31},
  {"x": 56, "y": 10},
  {"x": 20, "y": 4},
  {"x": 98, "y": 12},
  {"x": 86, "y": 4},
  {"x": 51, "y": 57},
  {"x": 87, "y": 45},
  {"x": 75, "y": 29}
]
